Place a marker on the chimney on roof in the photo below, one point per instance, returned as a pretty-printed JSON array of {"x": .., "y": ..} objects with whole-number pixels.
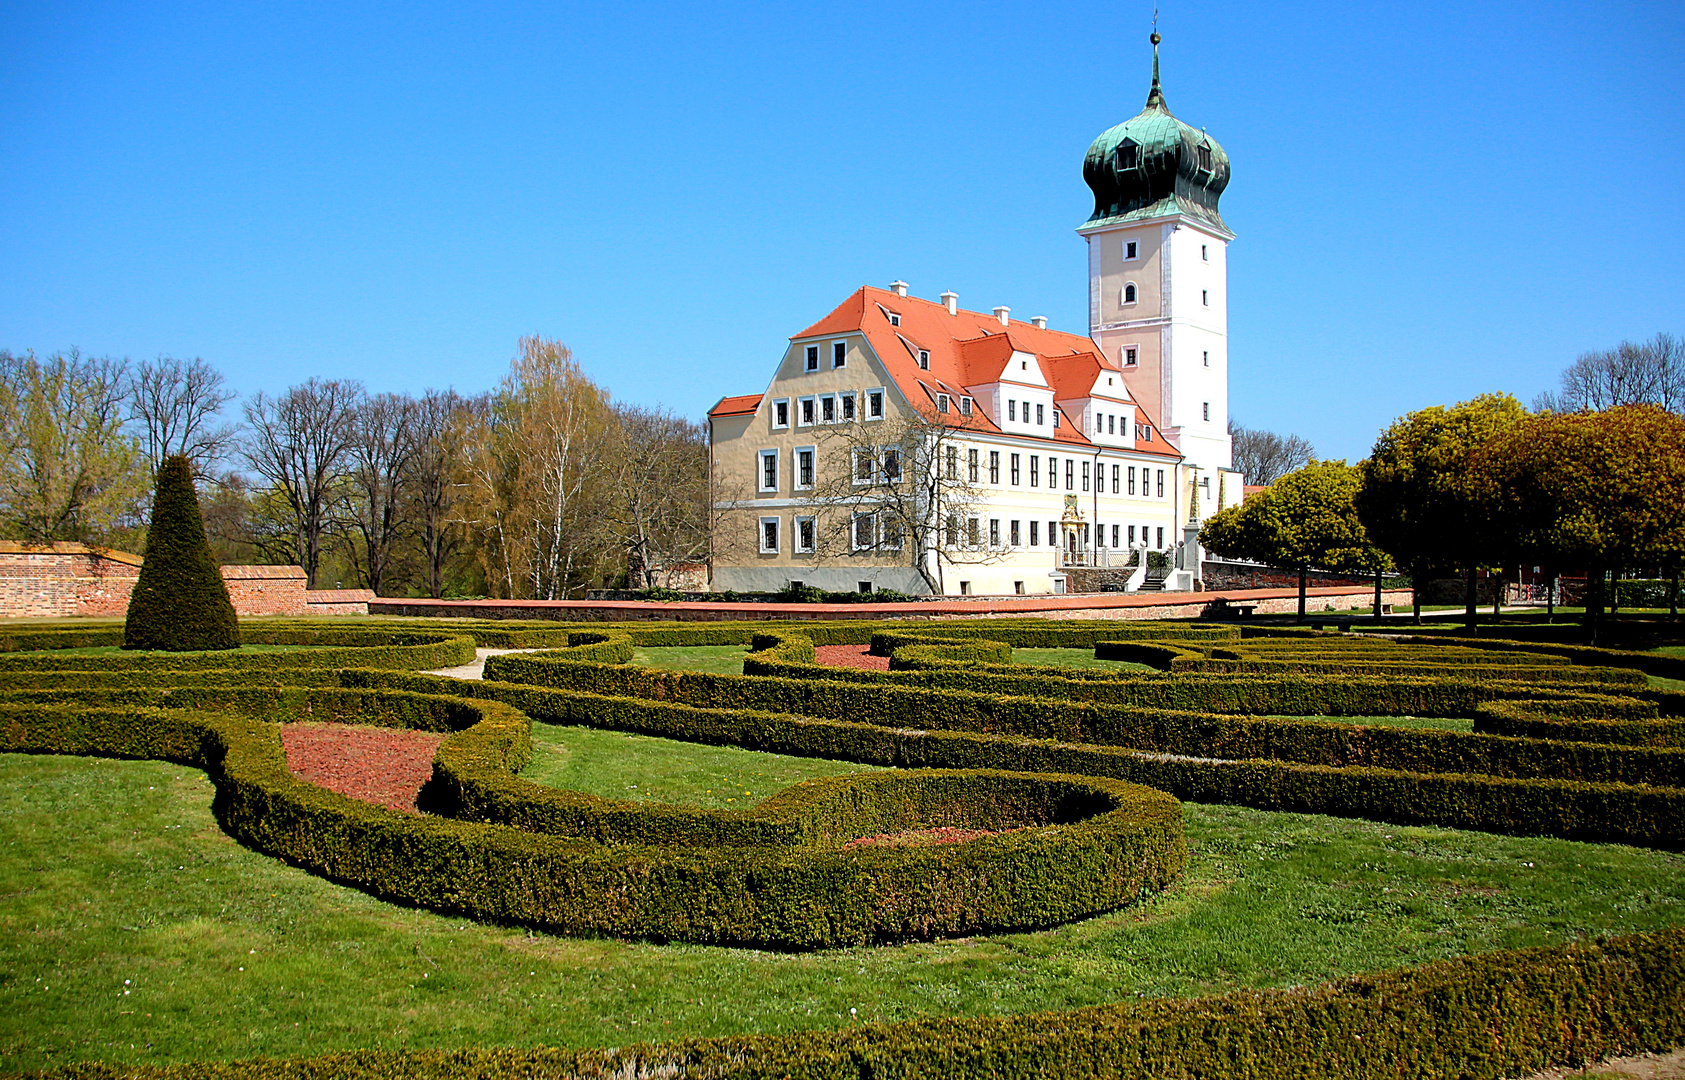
[
  {"x": 899, "y": 288},
  {"x": 1040, "y": 322},
  {"x": 951, "y": 300},
  {"x": 1001, "y": 313}
]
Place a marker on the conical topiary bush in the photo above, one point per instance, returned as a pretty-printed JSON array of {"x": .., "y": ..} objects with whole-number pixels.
[{"x": 179, "y": 602}]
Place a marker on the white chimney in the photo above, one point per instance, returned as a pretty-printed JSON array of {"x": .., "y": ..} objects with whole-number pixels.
[
  {"x": 951, "y": 300},
  {"x": 899, "y": 288},
  {"x": 1001, "y": 312},
  {"x": 1040, "y": 322}
]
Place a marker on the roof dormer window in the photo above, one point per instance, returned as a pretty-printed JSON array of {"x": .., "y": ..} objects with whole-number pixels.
[
  {"x": 1128, "y": 155},
  {"x": 924, "y": 359},
  {"x": 1205, "y": 157},
  {"x": 941, "y": 403},
  {"x": 894, "y": 319}
]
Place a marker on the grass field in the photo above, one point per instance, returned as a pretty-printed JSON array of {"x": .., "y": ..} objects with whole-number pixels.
[{"x": 114, "y": 871}]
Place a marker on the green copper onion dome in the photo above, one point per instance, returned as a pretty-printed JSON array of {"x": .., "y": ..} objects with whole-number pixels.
[{"x": 1153, "y": 165}]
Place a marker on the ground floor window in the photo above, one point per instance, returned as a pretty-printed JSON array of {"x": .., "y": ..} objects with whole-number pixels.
[{"x": 769, "y": 535}]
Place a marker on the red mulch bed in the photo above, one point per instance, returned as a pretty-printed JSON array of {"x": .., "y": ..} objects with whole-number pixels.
[
  {"x": 948, "y": 834},
  {"x": 380, "y": 765},
  {"x": 854, "y": 656}
]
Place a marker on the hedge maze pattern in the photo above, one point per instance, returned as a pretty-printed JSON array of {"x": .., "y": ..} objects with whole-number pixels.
[{"x": 1072, "y": 777}]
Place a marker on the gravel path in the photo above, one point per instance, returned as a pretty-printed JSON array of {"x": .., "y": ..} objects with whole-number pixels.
[
  {"x": 380, "y": 765},
  {"x": 852, "y": 656},
  {"x": 476, "y": 670}
]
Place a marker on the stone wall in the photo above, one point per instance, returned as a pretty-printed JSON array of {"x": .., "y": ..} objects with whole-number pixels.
[{"x": 73, "y": 580}]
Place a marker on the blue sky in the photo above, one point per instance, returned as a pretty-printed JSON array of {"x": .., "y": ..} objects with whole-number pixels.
[{"x": 1431, "y": 201}]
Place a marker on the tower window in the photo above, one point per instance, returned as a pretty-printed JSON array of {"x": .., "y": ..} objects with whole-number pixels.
[
  {"x": 1129, "y": 249},
  {"x": 1129, "y": 357},
  {"x": 1205, "y": 409},
  {"x": 1208, "y": 358},
  {"x": 1205, "y": 252},
  {"x": 1205, "y": 297},
  {"x": 1205, "y": 158},
  {"x": 924, "y": 359},
  {"x": 1129, "y": 293}
]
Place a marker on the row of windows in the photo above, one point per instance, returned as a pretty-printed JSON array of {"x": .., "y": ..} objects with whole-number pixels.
[
  {"x": 839, "y": 356},
  {"x": 869, "y": 531},
  {"x": 1131, "y": 250},
  {"x": 1012, "y": 411},
  {"x": 839, "y": 408},
  {"x": 1129, "y": 295},
  {"x": 883, "y": 466}
]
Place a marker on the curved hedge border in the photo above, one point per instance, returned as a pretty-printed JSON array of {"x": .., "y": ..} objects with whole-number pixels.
[
  {"x": 325, "y": 648},
  {"x": 1482, "y": 1017},
  {"x": 1101, "y": 845},
  {"x": 1588, "y": 720}
]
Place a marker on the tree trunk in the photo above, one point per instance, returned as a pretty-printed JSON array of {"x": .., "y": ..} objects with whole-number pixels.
[
  {"x": 1614, "y": 592},
  {"x": 1377, "y": 596},
  {"x": 1550, "y": 597},
  {"x": 1673, "y": 598},
  {"x": 1301, "y": 594},
  {"x": 1594, "y": 602},
  {"x": 1416, "y": 592},
  {"x": 1497, "y": 595},
  {"x": 1471, "y": 618}
]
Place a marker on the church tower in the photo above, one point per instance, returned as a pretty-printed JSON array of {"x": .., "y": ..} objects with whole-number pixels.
[{"x": 1158, "y": 273}]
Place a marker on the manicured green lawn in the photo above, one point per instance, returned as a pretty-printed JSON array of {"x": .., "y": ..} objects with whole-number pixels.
[
  {"x": 114, "y": 871},
  {"x": 716, "y": 659},
  {"x": 1077, "y": 658}
]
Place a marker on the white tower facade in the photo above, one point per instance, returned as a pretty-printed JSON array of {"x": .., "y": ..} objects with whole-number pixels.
[{"x": 1158, "y": 276}]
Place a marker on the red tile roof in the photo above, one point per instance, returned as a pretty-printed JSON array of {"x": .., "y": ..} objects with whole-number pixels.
[
  {"x": 969, "y": 349},
  {"x": 744, "y": 405}
]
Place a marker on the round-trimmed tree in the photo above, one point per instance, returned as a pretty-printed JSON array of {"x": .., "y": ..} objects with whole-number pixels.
[{"x": 180, "y": 602}]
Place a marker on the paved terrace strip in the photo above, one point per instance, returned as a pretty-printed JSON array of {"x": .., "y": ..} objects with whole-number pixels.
[{"x": 1066, "y": 606}]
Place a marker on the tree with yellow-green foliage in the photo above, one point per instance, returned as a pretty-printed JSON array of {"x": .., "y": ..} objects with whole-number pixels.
[
  {"x": 1603, "y": 489},
  {"x": 1306, "y": 519},
  {"x": 1424, "y": 497}
]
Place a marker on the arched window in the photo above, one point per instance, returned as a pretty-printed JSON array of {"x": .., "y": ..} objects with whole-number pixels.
[{"x": 1129, "y": 293}]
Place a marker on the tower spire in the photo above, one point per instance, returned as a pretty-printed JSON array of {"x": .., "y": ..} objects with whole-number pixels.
[{"x": 1155, "y": 97}]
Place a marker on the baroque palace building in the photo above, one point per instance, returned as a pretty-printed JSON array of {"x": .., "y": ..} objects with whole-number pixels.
[{"x": 914, "y": 445}]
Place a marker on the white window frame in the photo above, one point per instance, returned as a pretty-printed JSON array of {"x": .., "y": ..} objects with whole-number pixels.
[
  {"x": 854, "y": 531},
  {"x": 1130, "y": 355},
  {"x": 810, "y": 355},
  {"x": 777, "y": 530},
  {"x": 848, "y": 409},
  {"x": 831, "y": 400},
  {"x": 965, "y": 406},
  {"x": 871, "y": 457},
  {"x": 886, "y": 542},
  {"x": 1041, "y": 417},
  {"x": 1131, "y": 250},
  {"x": 883, "y": 456},
  {"x": 839, "y": 361},
  {"x": 760, "y": 479},
  {"x": 796, "y": 467},
  {"x": 974, "y": 532},
  {"x": 1160, "y": 484},
  {"x": 813, "y": 538},
  {"x": 807, "y": 411},
  {"x": 924, "y": 359},
  {"x": 942, "y": 403},
  {"x": 785, "y": 403},
  {"x": 1205, "y": 297},
  {"x": 973, "y": 465},
  {"x": 1130, "y": 294},
  {"x": 875, "y": 395}
]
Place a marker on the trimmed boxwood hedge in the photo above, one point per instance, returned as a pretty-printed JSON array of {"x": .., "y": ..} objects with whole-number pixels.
[
  {"x": 1583, "y": 721},
  {"x": 1598, "y": 812},
  {"x": 1091, "y": 844},
  {"x": 1482, "y": 1017},
  {"x": 325, "y": 649}
]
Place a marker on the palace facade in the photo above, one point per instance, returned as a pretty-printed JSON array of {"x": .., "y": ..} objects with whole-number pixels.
[{"x": 912, "y": 444}]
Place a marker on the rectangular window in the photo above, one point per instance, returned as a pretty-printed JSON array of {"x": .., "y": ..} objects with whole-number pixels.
[
  {"x": 1015, "y": 478},
  {"x": 1132, "y": 479},
  {"x": 1016, "y": 533},
  {"x": 1205, "y": 297},
  {"x": 1114, "y": 536},
  {"x": 1204, "y": 253},
  {"x": 1100, "y": 536},
  {"x": 865, "y": 532},
  {"x": 974, "y": 532},
  {"x": 769, "y": 536},
  {"x": 894, "y": 319},
  {"x": 890, "y": 526},
  {"x": 1205, "y": 409},
  {"x": 953, "y": 463},
  {"x": 1129, "y": 356},
  {"x": 1038, "y": 415},
  {"x": 1085, "y": 476},
  {"x": 941, "y": 403},
  {"x": 1011, "y": 409},
  {"x": 1129, "y": 249},
  {"x": 804, "y": 466},
  {"x": 965, "y": 406},
  {"x": 865, "y": 466},
  {"x": 874, "y": 404},
  {"x": 1035, "y": 534},
  {"x": 994, "y": 467},
  {"x": 1035, "y": 470},
  {"x": 828, "y": 409},
  {"x": 839, "y": 353},
  {"x": 1160, "y": 542},
  {"x": 813, "y": 358},
  {"x": 892, "y": 465},
  {"x": 781, "y": 413},
  {"x": 769, "y": 470},
  {"x": 806, "y": 417},
  {"x": 1207, "y": 357},
  {"x": 1111, "y": 423},
  {"x": 971, "y": 465},
  {"x": 924, "y": 359},
  {"x": 1053, "y": 534},
  {"x": 1161, "y": 483},
  {"x": 1070, "y": 474},
  {"x": 1114, "y": 485},
  {"x": 953, "y": 530},
  {"x": 805, "y": 538},
  {"x": 1132, "y": 536},
  {"x": 848, "y": 406},
  {"x": 1055, "y": 417},
  {"x": 994, "y": 532}
]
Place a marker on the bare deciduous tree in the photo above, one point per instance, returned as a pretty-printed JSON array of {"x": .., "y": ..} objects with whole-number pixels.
[
  {"x": 382, "y": 448},
  {"x": 440, "y": 419},
  {"x": 1647, "y": 373},
  {"x": 69, "y": 470},
  {"x": 298, "y": 443},
  {"x": 661, "y": 493},
  {"x": 1263, "y": 457},
  {"x": 175, "y": 406},
  {"x": 906, "y": 488}
]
